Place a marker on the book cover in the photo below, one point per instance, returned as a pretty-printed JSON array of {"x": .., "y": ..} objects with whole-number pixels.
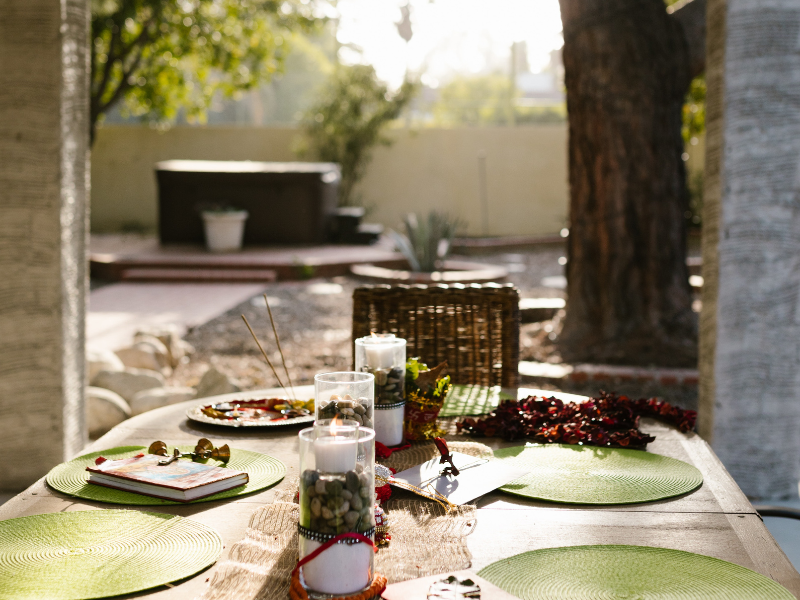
[{"x": 179, "y": 475}]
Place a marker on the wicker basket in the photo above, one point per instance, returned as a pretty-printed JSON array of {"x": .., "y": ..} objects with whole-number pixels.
[{"x": 475, "y": 328}]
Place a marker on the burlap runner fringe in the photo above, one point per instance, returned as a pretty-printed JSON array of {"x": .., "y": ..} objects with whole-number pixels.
[{"x": 425, "y": 539}]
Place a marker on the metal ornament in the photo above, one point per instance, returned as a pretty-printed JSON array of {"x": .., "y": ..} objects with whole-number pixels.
[
  {"x": 204, "y": 450},
  {"x": 441, "y": 445}
]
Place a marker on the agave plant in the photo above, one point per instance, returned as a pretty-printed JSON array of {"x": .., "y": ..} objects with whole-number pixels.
[{"x": 427, "y": 241}]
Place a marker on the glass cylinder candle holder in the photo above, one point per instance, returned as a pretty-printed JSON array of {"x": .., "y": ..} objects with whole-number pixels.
[
  {"x": 337, "y": 495},
  {"x": 345, "y": 395},
  {"x": 384, "y": 355}
]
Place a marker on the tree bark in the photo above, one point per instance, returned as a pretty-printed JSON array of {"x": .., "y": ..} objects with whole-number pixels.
[{"x": 627, "y": 67}]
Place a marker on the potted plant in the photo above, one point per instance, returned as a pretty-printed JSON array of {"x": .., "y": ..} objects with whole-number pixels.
[{"x": 224, "y": 227}]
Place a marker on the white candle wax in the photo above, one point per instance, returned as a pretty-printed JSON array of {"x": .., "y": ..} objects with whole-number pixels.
[
  {"x": 389, "y": 425},
  {"x": 335, "y": 454},
  {"x": 341, "y": 569},
  {"x": 379, "y": 355}
]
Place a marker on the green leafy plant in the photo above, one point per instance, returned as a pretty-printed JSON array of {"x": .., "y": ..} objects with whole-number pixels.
[
  {"x": 487, "y": 100},
  {"x": 414, "y": 366},
  {"x": 427, "y": 241},
  {"x": 348, "y": 120},
  {"x": 160, "y": 56}
]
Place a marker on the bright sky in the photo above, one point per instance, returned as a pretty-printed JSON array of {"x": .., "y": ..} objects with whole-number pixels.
[{"x": 449, "y": 36}]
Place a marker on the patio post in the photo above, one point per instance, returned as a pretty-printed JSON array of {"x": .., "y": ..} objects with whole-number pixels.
[
  {"x": 750, "y": 323},
  {"x": 44, "y": 175}
]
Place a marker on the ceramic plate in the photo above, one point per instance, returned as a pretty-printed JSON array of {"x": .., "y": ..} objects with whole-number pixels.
[{"x": 245, "y": 413}]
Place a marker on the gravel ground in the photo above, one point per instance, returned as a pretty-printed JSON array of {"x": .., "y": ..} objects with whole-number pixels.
[{"x": 314, "y": 321}]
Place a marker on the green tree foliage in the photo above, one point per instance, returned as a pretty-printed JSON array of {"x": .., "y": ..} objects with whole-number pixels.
[
  {"x": 348, "y": 119},
  {"x": 475, "y": 100},
  {"x": 694, "y": 110},
  {"x": 488, "y": 100},
  {"x": 160, "y": 56}
]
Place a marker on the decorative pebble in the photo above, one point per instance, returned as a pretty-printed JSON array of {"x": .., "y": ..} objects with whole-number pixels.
[{"x": 333, "y": 505}]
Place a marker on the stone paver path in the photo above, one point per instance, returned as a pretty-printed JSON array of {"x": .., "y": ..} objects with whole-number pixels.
[{"x": 116, "y": 311}]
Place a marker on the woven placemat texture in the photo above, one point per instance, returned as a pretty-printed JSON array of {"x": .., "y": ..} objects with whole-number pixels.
[
  {"x": 425, "y": 541},
  {"x": 421, "y": 452},
  {"x": 590, "y": 572},
  {"x": 589, "y": 475},
  {"x": 472, "y": 400},
  {"x": 71, "y": 477},
  {"x": 99, "y": 553}
]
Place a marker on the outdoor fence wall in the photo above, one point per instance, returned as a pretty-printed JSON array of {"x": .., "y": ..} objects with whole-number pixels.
[
  {"x": 525, "y": 173},
  {"x": 525, "y": 186}
]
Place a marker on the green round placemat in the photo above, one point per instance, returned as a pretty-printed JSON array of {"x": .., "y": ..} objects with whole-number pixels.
[
  {"x": 591, "y": 475},
  {"x": 640, "y": 572},
  {"x": 99, "y": 553},
  {"x": 71, "y": 477}
]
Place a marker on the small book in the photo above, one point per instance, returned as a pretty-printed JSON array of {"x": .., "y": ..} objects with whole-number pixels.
[{"x": 181, "y": 480}]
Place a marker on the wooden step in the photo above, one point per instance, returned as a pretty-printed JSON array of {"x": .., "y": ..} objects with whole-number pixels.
[{"x": 199, "y": 275}]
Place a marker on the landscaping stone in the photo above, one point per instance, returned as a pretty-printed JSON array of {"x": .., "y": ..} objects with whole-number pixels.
[
  {"x": 214, "y": 383},
  {"x": 140, "y": 356},
  {"x": 129, "y": 382},
  {"x": 159, "y": 348},
  {"x": 169, "y": 335},
  {"x": 102, "y": 360},
  {"x": 158, "y": 397},
  {"x": 104, "y": 410}
]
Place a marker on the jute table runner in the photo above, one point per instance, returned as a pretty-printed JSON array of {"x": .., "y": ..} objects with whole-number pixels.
[{"x": 425, "y": 539}]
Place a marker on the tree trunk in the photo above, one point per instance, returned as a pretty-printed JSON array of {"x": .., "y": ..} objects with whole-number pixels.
[{"x": 627, "y": 72}]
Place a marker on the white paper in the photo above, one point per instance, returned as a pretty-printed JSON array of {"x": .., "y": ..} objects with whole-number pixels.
[{"x": 476, "y": 478}]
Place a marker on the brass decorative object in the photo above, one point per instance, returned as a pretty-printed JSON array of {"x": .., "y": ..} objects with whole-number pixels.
[
  {"x": 158, "y": 447},
  {"x": 204, "y": 450}
]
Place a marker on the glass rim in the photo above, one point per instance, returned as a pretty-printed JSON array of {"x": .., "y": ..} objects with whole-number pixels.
[
  {"x": 370, "y": 341},
  {"x": 365, "y": 434},
  {"x": 345, "y": 425},
  {"x": 337, "y": 377}
]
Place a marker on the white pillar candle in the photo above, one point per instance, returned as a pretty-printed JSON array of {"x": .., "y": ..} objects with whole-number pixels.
[
  {"x": 342, "y": 569},
  {"x": 379, "y": 355},
  {"x": 335, "y": 454},
  {"x": 389, "y": 425}
]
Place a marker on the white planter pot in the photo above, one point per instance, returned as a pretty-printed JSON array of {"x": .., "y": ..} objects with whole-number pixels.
[{"x": 224, "y": 230}]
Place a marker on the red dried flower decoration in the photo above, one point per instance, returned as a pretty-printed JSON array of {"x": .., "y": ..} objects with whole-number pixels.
[{"x": 609, "y": 420}]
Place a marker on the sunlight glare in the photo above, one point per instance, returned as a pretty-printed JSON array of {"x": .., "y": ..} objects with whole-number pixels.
[{"x": 450, "y": 37}]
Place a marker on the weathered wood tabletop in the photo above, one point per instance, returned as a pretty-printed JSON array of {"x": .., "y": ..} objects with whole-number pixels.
[{"x": 715, "y": 520}]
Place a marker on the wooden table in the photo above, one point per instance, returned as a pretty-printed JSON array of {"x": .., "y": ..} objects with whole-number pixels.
[{"x": 715, "y": 520}]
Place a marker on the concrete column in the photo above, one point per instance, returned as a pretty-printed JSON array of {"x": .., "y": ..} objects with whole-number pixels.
[
  {"x": 750, "y": 324},
  {"x": 44, "y": 178}
]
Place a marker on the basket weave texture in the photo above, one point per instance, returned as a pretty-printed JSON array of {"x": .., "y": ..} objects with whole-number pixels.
[{"x": 475, "y": 328}]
